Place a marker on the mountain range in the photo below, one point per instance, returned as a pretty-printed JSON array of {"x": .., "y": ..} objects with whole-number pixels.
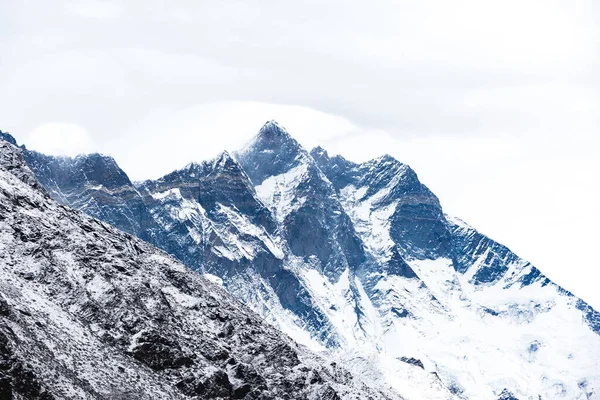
[
  {"x": 357, "y": 263},
  {"x": 90, "y": 312}
]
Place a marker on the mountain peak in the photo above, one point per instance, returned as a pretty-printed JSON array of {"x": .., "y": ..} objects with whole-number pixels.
[
  {"x": 319, "y": 152},
  {"x": 223, "y": 157},
  {"x": 271, "y": 136},
  {"x": 225, "y": 161},
  {"x": 386, "y": 158},
  {"x": 271, "y": 152},
  {"x": 8, "y": 137},
  {"x": 386, "y": 163},
  {"x": 12, "y": 160},
  {"x": 95, "y": 158},
  {"x": 273, "y": 128}
]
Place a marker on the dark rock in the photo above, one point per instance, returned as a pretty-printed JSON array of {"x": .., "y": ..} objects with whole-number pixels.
[
  {"x": 247, "y": 373},
  {"x": 315, "y": 377},
  {"x": 4, "y": 308},
  {"x": 469, "y": 245},
  {"x": 191, "y": 386},
  {"x": 5, "y": 387},
  {"x": 491, "y": 312},
  {"x": 227, "y": 330},
  {"x": 327, "y": 393},
  {"x": 241, "y": 391},
  {"x": 8, "y": 137},
  {"x": 534, "y": 347},
  {"x": 591, "y": 316},
  {"x": 217, "y": 386},
  {"x": 400, "y": 313},
  {"x": 413, "y": 361},
  {"x": 507, "y": 395},
  {"x": 533, "y": 276},
  {"x": 26, "y": 384},
  {"x": 158, "y": 352},
  {"x": 213, "y": 352},
  {"x": 96, "y": 184}
]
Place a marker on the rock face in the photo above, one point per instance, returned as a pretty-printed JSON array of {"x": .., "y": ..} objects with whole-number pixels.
[
  {"x": 215, "y": 222},
  {"x": 361, "y": 260},
  {"x": 95, "y": 184},
  {"x": 90, "y": 312},
  {"x": 290, "y": 183}
]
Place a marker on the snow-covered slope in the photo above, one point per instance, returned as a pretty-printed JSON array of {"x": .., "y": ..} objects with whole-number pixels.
[
  {"x": 90, "y": 312},
  {"x": 359, "y": 261},
  {"x": 486, "y": 321}
]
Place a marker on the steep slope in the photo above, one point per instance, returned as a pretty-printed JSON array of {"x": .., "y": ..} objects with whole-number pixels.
[
  {"x": 215, "y": 223},
  {"x": 510, "y": 329},
  {"x": 200, "y": 196},
  {"x": 95, "y": 184},
  {"x": 303, "y": 201},
  {"x": 89, "y": 312},
  {"x": 331, "y": 260},
  {"x": 361, "y": 259},
  {"x": 415, "y": 214},
  {"x": 325, "y": 252}
]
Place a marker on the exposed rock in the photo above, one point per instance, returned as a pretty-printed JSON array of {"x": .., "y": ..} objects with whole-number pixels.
[
  {"x": 4, "y": 308},
  {"x": 101, "y": 314},
  {"x": 413, "y": 361},
  {"x": 309, "y": 240},
  {"x": 507, "y": 395},
  {"x": 158, "y": 352}
]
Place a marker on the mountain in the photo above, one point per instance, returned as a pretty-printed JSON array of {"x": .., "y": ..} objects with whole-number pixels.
[
  {"x": 91, "y": 312},
  {"x": 215, "y": 222},
  {"x": 509, "y": 324},
  {"x": 95, "y": 184},
  {"x": 299, "y": 195},
  {"x": 360, "y": 262}
]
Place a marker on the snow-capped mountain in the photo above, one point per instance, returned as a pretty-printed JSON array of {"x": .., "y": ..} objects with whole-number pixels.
[
  {"x": 95, "y": 184},
  {"x": 360, "y": 261},
  {"x": 90, "y": 312}
]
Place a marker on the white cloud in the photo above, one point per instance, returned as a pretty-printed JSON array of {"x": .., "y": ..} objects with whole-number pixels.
[
  {"x": 494, "y": 104},
  {"x": 168, "y": 139},
  {"x": 57, "y": 138},
  {"x": 96, "y": 9}
]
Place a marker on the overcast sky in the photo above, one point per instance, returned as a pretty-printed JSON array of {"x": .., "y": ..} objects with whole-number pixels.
[{"x": 495, "y": 104}]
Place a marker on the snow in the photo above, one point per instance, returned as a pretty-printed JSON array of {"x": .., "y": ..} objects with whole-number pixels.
[
  {"x": 476, "y": 339},
  {"x": 81, "y": 295},
  {"x": 279, "y": 192},
  {"x": 449, "y": 329},
  {"x": 265, "y": 302},
  {"x": 213, "y": 278},
  {"x": 180, "y": 209},
  {"x": 484, "y": 353},
  {"x": 371, "y": 223},
  {"x": 246, "y": 227},
  {"x": 369, "y": 349},
  {"x": 174, "y": 192}
]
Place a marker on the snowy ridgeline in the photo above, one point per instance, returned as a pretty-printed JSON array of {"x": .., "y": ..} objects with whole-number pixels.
[
  {"x": 357, "y": 261},
  {"x": 90, "y": 312}
]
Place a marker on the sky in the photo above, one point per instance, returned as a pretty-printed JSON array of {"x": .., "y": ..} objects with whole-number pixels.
[{"x": 495, "y": 104}]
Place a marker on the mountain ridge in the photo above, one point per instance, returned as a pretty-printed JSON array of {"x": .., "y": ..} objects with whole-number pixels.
[
  {"x": 362, "y": 259},
  {"x": 90, "y": 312}
]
